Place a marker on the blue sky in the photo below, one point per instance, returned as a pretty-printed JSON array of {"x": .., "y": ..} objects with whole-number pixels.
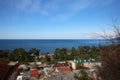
[{"x": 56, "y": 19}]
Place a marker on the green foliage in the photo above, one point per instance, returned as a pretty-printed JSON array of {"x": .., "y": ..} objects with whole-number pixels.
[
  {"x": 60, "y": 54},
  {"x": 82, "y": 52},
  {"x": 18, "y": 54},
  {"x": 4, "y": 53},
  {"x": 34, "y": 52},
  {"x": 110, "y": 69}
]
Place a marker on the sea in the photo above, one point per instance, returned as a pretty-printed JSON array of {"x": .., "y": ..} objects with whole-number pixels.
[{"x": 48, "y": 45}]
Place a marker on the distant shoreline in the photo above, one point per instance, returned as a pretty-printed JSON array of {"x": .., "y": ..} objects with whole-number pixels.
[
  {"x": 47, "y": 45},
  {"x": 52, "y": 39}
]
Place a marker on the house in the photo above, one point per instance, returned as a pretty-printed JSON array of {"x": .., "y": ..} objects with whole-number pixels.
[
  {"x": 84, "y": 62},
  {"x": 62, "y": 67},
  {"x": 72, "y": 64},
  {"x": 8, "y": 70},
  {"x": 34, "y": 74},
  {"x": 38, "y": 63}
]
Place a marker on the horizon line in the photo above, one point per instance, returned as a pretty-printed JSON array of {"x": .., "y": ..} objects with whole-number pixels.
[{"x": 49, "y": 39}]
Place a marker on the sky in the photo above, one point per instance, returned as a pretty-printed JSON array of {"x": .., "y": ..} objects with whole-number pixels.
[{"x": 56, "y": 19}]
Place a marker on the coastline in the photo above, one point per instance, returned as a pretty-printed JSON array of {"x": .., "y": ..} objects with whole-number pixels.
[{"x": 47, "y": 45}]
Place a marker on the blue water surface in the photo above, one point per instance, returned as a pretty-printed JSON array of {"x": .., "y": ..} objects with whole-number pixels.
[{"x": 48, "y": 45}]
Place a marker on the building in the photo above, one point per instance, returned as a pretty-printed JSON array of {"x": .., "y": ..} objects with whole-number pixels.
[
  {"x": 34, "y": 74},
  {"x": 85, "y": 62},
  {"x": 72, "y": 64},
  {"x": 61, "y": 67},
  {"x": 8, "y": 70}
]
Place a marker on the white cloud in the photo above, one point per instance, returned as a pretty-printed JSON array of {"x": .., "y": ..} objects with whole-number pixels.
[
  {"x": 70, "y": 9},
  {"x": 89, "y": 35},
  {"x": 60, "y": 8}
]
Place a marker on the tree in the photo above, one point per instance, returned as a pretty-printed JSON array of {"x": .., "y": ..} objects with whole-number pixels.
[
  {"x": 95, "y": 53},
  {"x": 4, "y": 53},
  {"x": 60, "y": 54},
  {"x": 34, "y": 51},
  {"x": 113, "y": 36},
  {"x": 19, "y": 54},
  {"x": 110, "y": 69},
  {"x": 63, "y": 54},
  {"x": 57, "y": 53},
  {"x": 73, "y": 52},
  {"x": 47, "y": 59}
]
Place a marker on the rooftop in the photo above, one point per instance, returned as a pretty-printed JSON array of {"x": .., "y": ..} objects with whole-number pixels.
[
  {"x": 6, "y": 70},
  {"x": 60, "y": 65}
]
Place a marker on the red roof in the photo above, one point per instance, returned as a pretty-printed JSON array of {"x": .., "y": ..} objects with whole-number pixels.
[
  {"x": 34, "y": 72},
  {"x": 61, "y": 65},
  {"x": 6, "y": 70},
  {"x": 64, "y": 69}
]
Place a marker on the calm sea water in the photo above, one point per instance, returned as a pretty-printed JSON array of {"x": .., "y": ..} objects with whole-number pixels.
[{"x": 48, "y": 45}]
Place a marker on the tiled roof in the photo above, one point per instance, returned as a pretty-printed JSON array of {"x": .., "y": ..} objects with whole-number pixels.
[
  {"x": 60, "y": 65},
  {"x": 64, "y": 69},
  {"x": 33, "y": 72}
]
